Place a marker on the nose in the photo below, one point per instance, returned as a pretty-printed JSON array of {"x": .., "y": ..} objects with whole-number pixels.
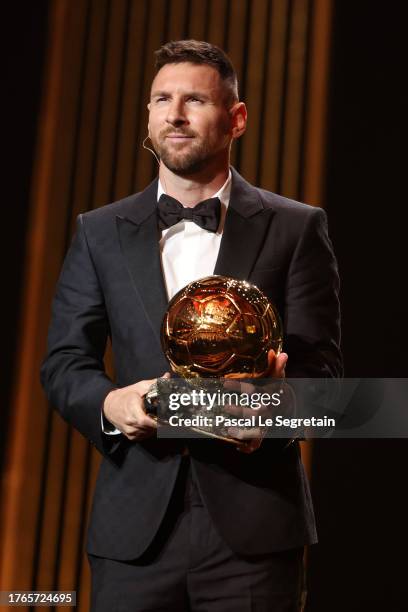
[{"x": 176, "y": 113}]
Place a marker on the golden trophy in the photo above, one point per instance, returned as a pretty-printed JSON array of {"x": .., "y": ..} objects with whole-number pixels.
[{"x": 216, "y": 328}]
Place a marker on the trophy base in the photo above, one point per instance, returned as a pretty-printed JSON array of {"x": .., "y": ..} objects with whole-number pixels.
[{"x": 152, "y": 407}]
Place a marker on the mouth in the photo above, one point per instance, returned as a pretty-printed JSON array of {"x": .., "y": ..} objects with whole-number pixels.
[{"x": 178, "y": 137}]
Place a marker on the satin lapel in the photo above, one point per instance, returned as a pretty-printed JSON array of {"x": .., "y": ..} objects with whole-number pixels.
[
  {"x": 246, "y": 225},
  {"x": 139, "y": 242}
]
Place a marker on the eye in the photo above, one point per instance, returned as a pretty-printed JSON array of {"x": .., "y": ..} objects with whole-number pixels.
[{"x": 195, "y": 100}]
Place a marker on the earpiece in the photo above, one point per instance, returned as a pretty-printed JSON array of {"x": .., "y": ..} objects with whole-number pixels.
[
  {"x": 156, "y": 158},
  {"x": 149, "y": 149}
]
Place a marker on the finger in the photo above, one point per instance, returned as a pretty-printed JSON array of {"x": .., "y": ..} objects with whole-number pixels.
[
  {"x": 276, "y": 364},
  {"x": 244, "y": 434},
  {"x": 146, "y": 422},
  {"x": 271, "y": 357},
  {"x": 250, "y": 446},
  {"x": 271, "y": 363},
  {"x": 138, "y": 434},
  {"x": 143, "y": 424},
  {"x": 281, "y": 361},
  {"x": 143, "y": 386},
  {"x": 139, "y": 419}
]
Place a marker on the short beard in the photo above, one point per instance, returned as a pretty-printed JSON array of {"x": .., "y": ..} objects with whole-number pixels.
[
  {"x": 190, "y": 163},
  {"x": 184, "y": 163}
]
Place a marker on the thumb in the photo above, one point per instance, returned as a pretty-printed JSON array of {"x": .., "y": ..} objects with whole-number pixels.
[
  {"x": 143, "y": 386},
  {"x": 281, "y": 362}
]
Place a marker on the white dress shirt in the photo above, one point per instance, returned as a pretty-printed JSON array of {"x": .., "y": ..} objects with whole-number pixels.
[{"x": 188, "y": 252}]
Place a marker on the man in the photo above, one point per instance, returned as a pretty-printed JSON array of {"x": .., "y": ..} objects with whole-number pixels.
[{"x": 196, "y": 524}]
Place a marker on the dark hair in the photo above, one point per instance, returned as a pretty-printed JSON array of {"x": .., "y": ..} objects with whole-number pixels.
[{"x": 200, "y": 52}]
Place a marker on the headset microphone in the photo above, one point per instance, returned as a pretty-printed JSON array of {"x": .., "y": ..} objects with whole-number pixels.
[{"x": 151, "y": 150}]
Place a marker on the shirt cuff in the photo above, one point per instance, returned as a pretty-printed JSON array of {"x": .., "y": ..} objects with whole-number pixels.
[{"x": 107, "y": 427}]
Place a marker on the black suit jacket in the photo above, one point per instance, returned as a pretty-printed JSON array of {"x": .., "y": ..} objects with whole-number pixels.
[{"x": 111, "y": 285}]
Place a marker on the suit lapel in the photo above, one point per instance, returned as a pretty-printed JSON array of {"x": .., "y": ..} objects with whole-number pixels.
[
  {"x": 246, "y": 225},
  {"x": 138, "y": 236}
]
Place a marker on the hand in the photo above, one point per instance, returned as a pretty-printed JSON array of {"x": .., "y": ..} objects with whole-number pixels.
[
  {"x": 276, "y": 365},
  {"x": 251, "y": 440},
  {"x": 124, "y": 408}
]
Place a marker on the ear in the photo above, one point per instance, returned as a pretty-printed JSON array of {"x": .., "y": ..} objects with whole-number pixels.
[
  {"x": 148, "y": 107},
  {"x": 239, "y": 115}
]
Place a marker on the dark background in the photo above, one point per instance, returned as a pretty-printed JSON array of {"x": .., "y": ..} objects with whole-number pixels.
[
  {"x": 24, "y": 35},
  {"x": 359, "y": 486}
]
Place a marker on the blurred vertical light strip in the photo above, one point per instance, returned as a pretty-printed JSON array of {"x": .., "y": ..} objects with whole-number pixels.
[
  {"x": 21, "y": 480},
  {"x": 312, "y": 166},
  {"x": 316, "y": 100}
]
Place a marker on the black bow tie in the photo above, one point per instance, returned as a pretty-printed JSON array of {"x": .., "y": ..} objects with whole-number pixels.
[{"x": 206, "y": 214}]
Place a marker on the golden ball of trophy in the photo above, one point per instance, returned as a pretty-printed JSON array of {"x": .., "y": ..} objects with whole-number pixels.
[{"x": 220, "y": 327}]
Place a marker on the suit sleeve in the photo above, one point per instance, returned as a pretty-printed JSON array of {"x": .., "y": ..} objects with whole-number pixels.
[
  {"x": 312, "y": 312},
  {"x": 73, "y": 373}
]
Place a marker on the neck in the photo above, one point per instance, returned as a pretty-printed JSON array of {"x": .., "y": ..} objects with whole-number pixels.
[{"x": 194, "y": 188}]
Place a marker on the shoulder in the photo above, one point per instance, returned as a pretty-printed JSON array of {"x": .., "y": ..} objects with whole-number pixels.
[
  {"x": 296, "y": 217},
  {"x": 283, "y": 208},
  {"x": 100, "y": 225},
  {"x": 110, "y": 211},
  {"x": 135, "y": 207}
]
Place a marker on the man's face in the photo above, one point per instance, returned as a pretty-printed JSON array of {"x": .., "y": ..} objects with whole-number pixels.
[{"x": 189, "y": 123}]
